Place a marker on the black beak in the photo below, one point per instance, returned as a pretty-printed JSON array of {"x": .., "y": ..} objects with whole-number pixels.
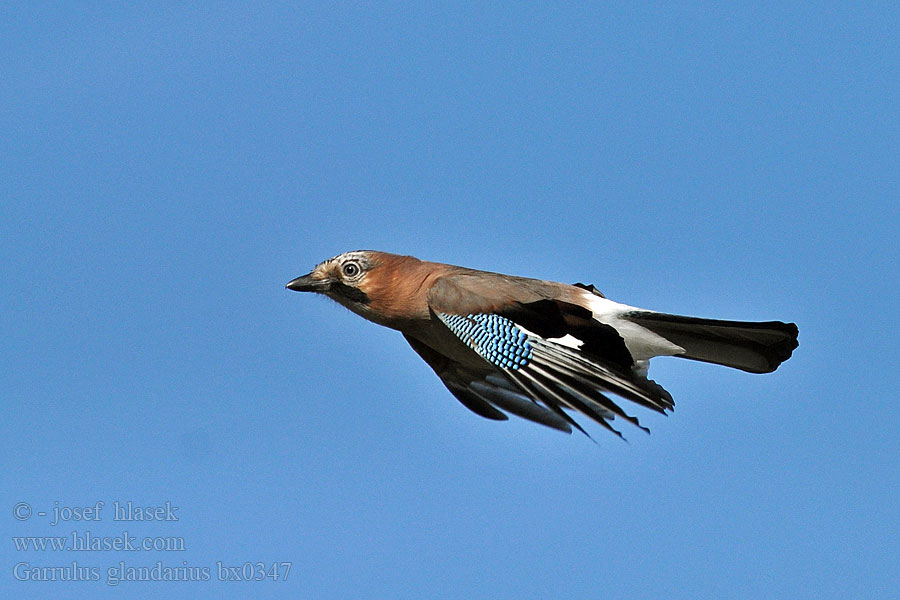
[{"x": 308, "y": 284}]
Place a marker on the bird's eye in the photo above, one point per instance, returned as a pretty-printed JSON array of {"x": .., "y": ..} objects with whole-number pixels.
[{"x": 351, "y": 269}]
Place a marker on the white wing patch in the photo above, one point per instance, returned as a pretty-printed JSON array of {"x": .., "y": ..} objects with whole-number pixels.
[{"x": 567, "y": 340}]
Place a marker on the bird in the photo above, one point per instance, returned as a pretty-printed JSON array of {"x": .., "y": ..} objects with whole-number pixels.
[{"x": 541, "y": 350}]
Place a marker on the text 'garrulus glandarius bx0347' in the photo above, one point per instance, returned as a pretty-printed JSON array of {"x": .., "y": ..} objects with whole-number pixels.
[{"x": 537, "y": 349}]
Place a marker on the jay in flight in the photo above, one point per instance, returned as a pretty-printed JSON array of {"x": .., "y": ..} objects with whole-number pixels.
[{"x": 536, "y": 349}]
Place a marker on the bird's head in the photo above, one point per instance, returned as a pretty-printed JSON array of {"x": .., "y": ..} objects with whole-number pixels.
[
  {"x": 342, "y": 278},
  {"x": 375, "y": 285}
]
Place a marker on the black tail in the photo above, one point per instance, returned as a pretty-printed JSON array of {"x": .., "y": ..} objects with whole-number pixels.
[{"x": 749, "y": 346}]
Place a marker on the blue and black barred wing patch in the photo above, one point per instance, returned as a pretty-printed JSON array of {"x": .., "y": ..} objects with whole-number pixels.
[
  {"x": 557, "y": 376},
  {"x": 494, "y": 338}
]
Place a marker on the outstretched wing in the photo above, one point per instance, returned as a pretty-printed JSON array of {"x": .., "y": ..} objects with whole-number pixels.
[
  {"x": 486, "y": 393},
  {"x": 540, "y": 356}
]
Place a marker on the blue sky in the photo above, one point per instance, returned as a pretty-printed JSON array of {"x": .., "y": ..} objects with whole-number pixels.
[{"x": 167, "y": 169}]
